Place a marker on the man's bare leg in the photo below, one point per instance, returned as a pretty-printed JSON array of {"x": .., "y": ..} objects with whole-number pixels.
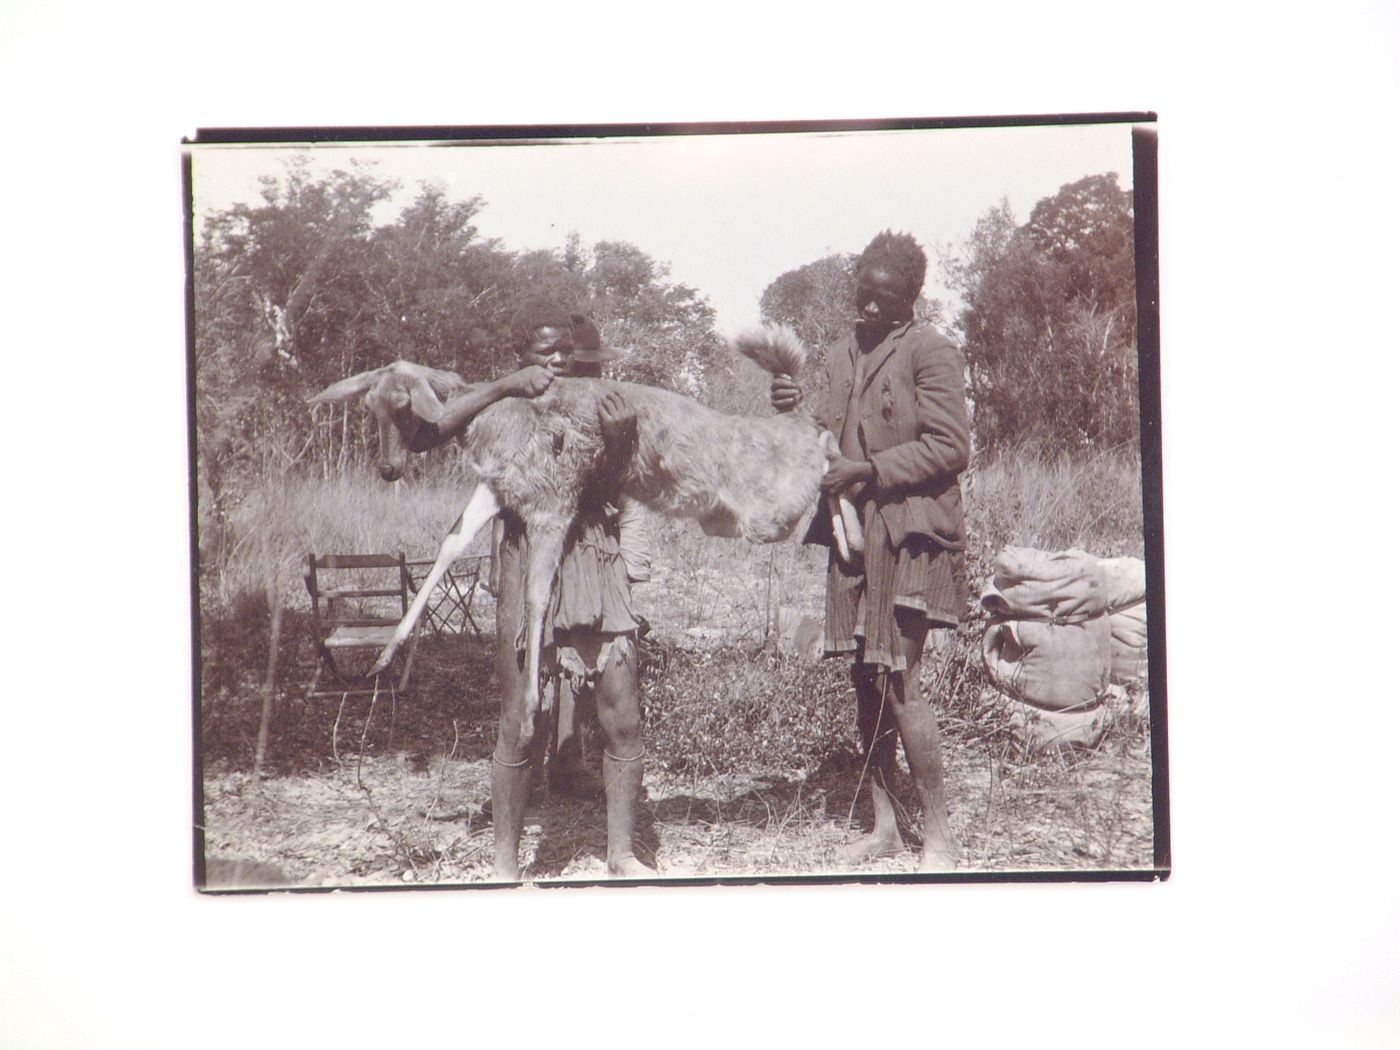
[
  {"x": 510, "y": 779},
  {"x": 620, "y": 715},
  {"x": 887, "y": 702},
  {"x": 515, "y": 751},
  {"x": 875, "y": 720},
  {"x": 923, "y": 747},
  {"x": 510, "y": 789}
]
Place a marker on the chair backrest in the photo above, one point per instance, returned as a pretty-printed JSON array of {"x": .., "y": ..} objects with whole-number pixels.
[{"x": 346, "y": 591}]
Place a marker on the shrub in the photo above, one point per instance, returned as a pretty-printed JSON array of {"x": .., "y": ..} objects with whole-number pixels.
[{"x": 731, "y": 709}]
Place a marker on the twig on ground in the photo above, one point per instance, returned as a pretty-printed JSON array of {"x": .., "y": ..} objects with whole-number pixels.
[
  {"x": 364, "y": 735},
  {"x": 865, "y": 766},
  {"x": 335, "y": 729},
  {"x": 442, "y": 771},
  {"x": 401, "y": 846},
  {"x": 793, "y": 807}
]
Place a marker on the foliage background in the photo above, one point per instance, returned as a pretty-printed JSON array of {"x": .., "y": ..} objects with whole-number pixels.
[{"x": 318, "y": 280}]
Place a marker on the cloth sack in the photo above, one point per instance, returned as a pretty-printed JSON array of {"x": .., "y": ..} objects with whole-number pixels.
[
  {"x": 1126, "y": 582},
  {"x": 1053, "y": 665},
  {"x": 1028, "y": 584},
  {"x": 1036, "y": 728},
  {"x": 1050, "y": 642}
]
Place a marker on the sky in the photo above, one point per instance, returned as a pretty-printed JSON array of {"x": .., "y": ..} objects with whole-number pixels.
[{"x": 727, "y": 213}]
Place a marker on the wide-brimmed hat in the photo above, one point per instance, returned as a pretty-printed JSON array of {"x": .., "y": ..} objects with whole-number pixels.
[{"x": 588, "y": 342}]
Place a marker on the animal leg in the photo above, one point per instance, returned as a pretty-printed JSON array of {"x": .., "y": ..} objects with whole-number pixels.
[
  {"x": 838, "y": 529},
  {"x": 545, "y": 550},
  {"x": 845, "y": 522},
  {"x": 481, "y": 508},
  {"x": 855, "y": 535}
]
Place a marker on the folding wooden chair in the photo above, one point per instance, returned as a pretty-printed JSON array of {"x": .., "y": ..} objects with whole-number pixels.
[
  {"x": 355, "y": 613},
  {"x": 449, "y": 610}
]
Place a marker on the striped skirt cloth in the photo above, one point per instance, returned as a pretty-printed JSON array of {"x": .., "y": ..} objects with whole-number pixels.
[{"x": 860, "y": 604}]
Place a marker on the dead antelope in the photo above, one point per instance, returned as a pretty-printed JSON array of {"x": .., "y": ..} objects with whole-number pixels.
[{"x": 740, "y": 476}]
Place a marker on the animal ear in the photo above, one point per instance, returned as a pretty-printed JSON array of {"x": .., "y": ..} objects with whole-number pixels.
[
  {"x": 423, "y": 399},
  {"x": 346, "y": 388},
  {"x": 444, "y": 383}
]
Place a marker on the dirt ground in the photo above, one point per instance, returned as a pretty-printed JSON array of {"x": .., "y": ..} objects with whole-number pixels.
[
  {"x": 383, "y": 823},
  {"x": 350, "y": 797}
]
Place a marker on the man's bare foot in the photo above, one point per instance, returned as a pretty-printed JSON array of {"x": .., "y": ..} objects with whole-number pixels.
[
  {"x": 870, "y": 847},
  {"x": 938, "y": 856},
  {"x": 630, "y": 867}
]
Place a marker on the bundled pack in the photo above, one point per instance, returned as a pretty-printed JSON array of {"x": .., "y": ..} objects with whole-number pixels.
[
  {"x": 1050, "y": 640},
  {"x": 1041, "y": 727},
  {"x": 1126, "y": 583}
]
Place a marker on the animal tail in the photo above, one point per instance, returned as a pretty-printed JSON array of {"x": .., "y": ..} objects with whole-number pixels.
[{"x": 774, "y": 348}]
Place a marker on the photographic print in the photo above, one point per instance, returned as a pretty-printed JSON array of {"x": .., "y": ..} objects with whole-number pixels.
[{"x": 635, "y": 504}]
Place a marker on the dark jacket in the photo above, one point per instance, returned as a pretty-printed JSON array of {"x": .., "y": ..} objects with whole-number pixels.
[{"x": 913, "y": 427}]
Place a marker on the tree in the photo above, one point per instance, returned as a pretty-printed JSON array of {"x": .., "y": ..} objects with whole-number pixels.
[
  {"x": 1049, "y": 324},
  {"x": 814, "y": 299},
  {"x": 304, "y": 288},
  {"x": 1087, "y": 228},
  {"x": 666, "y": 330},
  {"x": 437, "y": 293},
  {"x": 300, "y": 254}
]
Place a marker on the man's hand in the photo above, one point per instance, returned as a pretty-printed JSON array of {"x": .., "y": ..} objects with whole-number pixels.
[
  {"x": 844, "y": 473},
  {"x": 618, "y": 421},
  {"x": 783, "y": 393},
  {"x": 531, "y": 381}
]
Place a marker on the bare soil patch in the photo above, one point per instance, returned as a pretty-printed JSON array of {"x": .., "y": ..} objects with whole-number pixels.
[{"x": 389, "y": 793}]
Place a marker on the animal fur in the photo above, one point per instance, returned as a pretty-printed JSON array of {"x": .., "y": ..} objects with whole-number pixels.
[{"x": 739, "y": 476}]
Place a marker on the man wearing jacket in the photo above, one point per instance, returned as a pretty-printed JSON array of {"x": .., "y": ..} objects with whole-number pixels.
[{"x": 897, "y": 404}]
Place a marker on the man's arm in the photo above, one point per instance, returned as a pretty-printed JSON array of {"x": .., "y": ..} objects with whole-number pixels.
[
  {"x": 462, "y": 409},
  {"x": 634, "y": 540},
  {"x": 618, "y": 423}
]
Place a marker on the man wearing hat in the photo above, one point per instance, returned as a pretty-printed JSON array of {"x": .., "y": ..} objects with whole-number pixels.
[
  {"x": 589, "y": 357},
  {"x": 591, "y": 630},
  {"x": 568, "y": 774}
]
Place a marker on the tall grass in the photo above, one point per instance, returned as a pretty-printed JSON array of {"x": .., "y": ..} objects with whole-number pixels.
[
  {"x": 723, "y": 591},
  {"x": 269, "y": 534},
  {"x": 1092, "y": 501},
  {"x": 716, "y": 700},
  {"x": 715, "y": 589}
]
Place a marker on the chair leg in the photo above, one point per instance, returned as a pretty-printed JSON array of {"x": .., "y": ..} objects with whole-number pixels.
[{"x": 468, "y": 618}]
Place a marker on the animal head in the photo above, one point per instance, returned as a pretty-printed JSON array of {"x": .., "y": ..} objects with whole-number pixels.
[{"x": 400, "y": 396}]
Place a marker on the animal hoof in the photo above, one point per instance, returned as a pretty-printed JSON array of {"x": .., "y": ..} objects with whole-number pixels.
[{"x": 385, "y": 658}]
